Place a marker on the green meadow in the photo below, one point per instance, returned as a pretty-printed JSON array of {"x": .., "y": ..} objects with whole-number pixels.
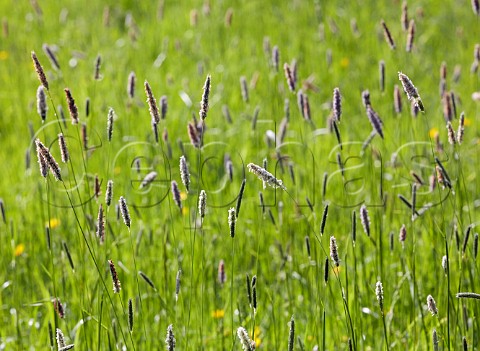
[{"x": 316, "y": 206}]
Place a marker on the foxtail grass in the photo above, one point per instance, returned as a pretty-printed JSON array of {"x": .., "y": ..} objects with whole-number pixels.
[
  {"x": 388, "y": 35},
  {"x": 39, "y": 69},
  {"x": 410, "y": 36},
  {"x": 51, "y": 56},
  {"x": 42, "y": 103},
  {"x": 337, "y": 104}
]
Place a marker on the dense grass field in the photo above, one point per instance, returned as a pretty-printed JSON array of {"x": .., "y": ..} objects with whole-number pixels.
[{"x": 366, "y": 244}]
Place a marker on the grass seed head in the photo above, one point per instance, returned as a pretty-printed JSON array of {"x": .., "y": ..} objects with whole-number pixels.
[
  {"x": 254, "y": 297},
  {"x": 60, "y": 339},
  {"x": 334, "y": 251},
  {"x": 130, "y": 315},
  {"x": 326, "y": 270},
  {"x": 240, "y": 197},
  {"x": 337, "y": 104},
  {"x": 97, "y": 65},
  {"x": 194, "y": 135},
  {"x": 228, "y": 164},
  {"x": 205, "y": 96},
  {"x": 443, "y": 71},
  {"x": 475, "y": 245},
  {"x": 155, "y": 130},
  {"x": 275, "y": 57},
  {"x": 51, "y": 56},
  {"x": 2, "y": 211},
  {"x": 226, "y": 114},
  {"x": 404, "y": 17},
  {"x": 461, "y": 128},
  {"x": 170, "y": 339},
  {"x": 265, "y": 176},
  {"x": 379, "y": 294},
  {"x": 109, "y": 192},
  {"x": 84, "y": 136},
  {"x": 247, "y": 344},
  {"x": 387, "y": 35},
  {"x": 178, "y": 284},
  {"x": 152, "y": 104},
  {"x": 301, "y": 102},
  {"x": 366, "y": 98},
  {"x": 101, "y": 224},
  {"x": 445, "y": 264},
  {"x": 291, "y": 335},
  {"x": 163, "y": 106},
  {"x": 67, "y": 252},
  {"x": 110, "y": 118},
  {"x": 147, "y": 279},
  {"x": 403, "y": 234},
  {"x": 411, "y": 91},
  {"x": 468, "y": 295},
  {"x": 249, "y": 290},
  {"x": 222, "y": 277},
  {"x": 149, "y": 178},
  {"x": 451, "y": 134},
  {"x": 202, "y": 204},
  {"x": 375, "y": 121},
  {"x": 397, "y": 99},
  {"x": 244, "y": 88},
  {"x": 184, "y": 173},
  {"x": 96, "y": 187},
  {"x": 116, "y": 282},
  {"x": 57, "y": 305},
  {"x": 410, "y": 36},
  {"x": 44, "y": 153},
  {"x": 42, "y": 103},
  {"x": 228, "y": 17},
  {"x": 432, "y": 306},
  {"x": 39, "y": 69},
  {"x": 381, "y": 74},
  {"x": 307, "y": 245},
  {"x": 324, "y": 219},
  {"x": 476, "y": 7},
  {"x": 124, "y": 211},
  {"x": 232, "y": 220},
  {"x": 176, "y": 194},
  {"x": 42, "y": 163},
  {"x": 365, "y": 219},
  {"x": 131, "y": 85},
  {"x": 447, "y": 107},
  {"x": 435, "y": 340},
  {"x": 306, "y": 108},
  {"x": 72, "y": 107},
  {"x": 63, "y": 148},
  {"x": 289, "y": 77}
]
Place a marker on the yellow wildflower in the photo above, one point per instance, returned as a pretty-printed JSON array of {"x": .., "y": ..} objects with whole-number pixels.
[
  {"x": 433, "y": 132},
  {"x": 19, "y": 249},
  {"x": 217, "y": 314}
]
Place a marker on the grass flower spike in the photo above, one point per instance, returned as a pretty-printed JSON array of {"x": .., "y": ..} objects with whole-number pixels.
[
  {"x": 334, "y": 251},
  {"x": 116, "y": 282},
  {"x": 265, "y": 176},
  {"x": 247, "y": 344},
  {"x": 411, "y": 91},
  {"x": 206, "y": 93},
  {"x": 432, "y": 306}
]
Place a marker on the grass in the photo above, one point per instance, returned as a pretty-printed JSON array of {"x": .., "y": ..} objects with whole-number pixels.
[{"x": 50, "y": 250}]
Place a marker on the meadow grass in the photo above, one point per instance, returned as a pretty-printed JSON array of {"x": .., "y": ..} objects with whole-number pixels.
[{"x": 355, "y": 229}]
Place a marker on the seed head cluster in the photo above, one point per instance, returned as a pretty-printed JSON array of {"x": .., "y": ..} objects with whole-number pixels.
[
  {"x": 265, "y": 176},
  {"x": 334, "y": 251},
  {"x": 411, "y": 91}
]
